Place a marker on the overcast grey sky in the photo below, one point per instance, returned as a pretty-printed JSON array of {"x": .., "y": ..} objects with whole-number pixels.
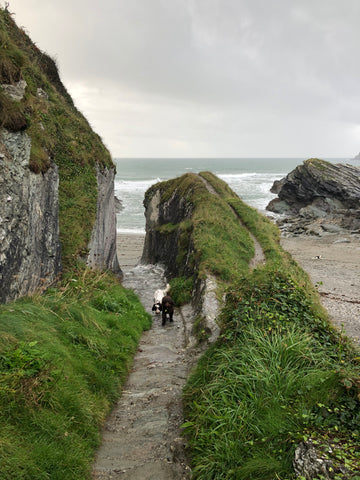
[{"x": 208, "y": 78}]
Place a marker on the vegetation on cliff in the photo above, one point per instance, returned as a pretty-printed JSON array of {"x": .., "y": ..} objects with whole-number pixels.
[
  {"x": 64, "y": 357},
  {"x": 64, "y": 354},
  {"x": 279, "y": 374},
  {"x": 59, "y": 133},
  {"x": 211, "y": 238}
]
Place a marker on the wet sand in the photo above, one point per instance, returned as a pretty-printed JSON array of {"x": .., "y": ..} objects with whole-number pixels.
[
  {"x": 129, "y": 248},
  {"x": 336, "y": 271}
]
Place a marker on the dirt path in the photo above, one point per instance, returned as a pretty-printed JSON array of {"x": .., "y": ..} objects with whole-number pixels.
[{"x": 141, "y": 438}]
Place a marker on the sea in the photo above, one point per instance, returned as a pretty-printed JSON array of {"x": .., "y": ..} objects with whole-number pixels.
[{"x": 250, "y": 178}]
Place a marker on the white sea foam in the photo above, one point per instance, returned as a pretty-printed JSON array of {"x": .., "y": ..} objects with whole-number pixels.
[{"x": 131, "y": 231}]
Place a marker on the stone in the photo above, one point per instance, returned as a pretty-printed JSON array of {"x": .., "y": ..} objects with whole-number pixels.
[
  {"x": 30, "y": 248},
  {"x": 320, "y": 190},
  {"x": 342, "y": 240},
  {"x": 118, "y": 204},
  {"x": 102, "y": 248},
  {"x": 308, "y": 463},
  {"x": 278, "y": 206},
  {"x": 310, "y": 211},
  {"x": 311, "y": 462},
  {"x": 16, "y": 91},
  {"x": 40, "y": 93},
  {"x": 332, "y": 228}
]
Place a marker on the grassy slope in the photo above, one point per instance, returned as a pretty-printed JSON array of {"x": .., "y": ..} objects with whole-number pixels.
[
  {"x": 64, "y": 355},
  {"x": 212, "y": 227},
  {"x": 279, "y": 374},
  {"x": 58, "y": 133}
]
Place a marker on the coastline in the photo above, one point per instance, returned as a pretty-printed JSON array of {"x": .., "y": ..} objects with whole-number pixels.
[
  {"x": 337, "y": 271},
  {"x": 129, "y": 247}
]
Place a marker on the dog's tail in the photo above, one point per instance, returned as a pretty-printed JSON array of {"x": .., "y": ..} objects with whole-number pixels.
[{"x": 166, "y": 289}]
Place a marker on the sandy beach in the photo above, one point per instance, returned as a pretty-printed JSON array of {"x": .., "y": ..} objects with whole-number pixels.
[
  {"x": 332, "y": 262},
  {"x": 129, "y": 248},
  {"x": 336, "y": 271}
]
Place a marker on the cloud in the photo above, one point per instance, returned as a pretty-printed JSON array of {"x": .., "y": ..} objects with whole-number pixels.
[{"x": 208, "y": 77}]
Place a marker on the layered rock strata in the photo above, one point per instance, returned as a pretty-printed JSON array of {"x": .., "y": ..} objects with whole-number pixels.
[
  {"x": 29, "y": 220},
  {"x": 102, "y": 247},
  {"x": 163, "y": 232},
  {"x": 168, "y": 241},
  {"x": 318, "y": 197}
]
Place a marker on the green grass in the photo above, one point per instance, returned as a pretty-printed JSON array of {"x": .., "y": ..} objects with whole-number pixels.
[
  {"x": 181, "y": 290},
  {"x": 64, "y": 357},
  {"x": 59, "y": 133},
  {"x": 277, "y": 374},
  {"x": 212, "y": 239}
]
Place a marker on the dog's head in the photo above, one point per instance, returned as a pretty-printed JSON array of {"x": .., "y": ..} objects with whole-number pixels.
[{"x": 157, "y": 308}]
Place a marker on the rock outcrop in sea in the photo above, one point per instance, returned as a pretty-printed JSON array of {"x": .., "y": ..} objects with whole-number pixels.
[
  {"x": 318, "y": 197},
  {"x": 57, "y": 202}
]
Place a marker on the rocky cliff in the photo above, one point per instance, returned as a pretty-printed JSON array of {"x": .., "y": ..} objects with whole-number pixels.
[
  {"x": 169, "y": 240},
  {"x": 194, "y": 231},
  {"x": 56, "y": 176},
  {"x": 318, "y": 196},
  {"x": 102, "y": 248},
  {"x": 166, "y": 234},
  {"x": 29, "y": 220}
]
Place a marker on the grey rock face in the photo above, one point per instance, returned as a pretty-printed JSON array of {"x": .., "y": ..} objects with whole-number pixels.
[
  {"x": 319, "y": 191},
  {"x": 161, "y": 247},
  {"x": 309, "y": 463},
  {"x": 29, "y": 226},
  {"x": 102, "y": 246},
  {"x": 15, "y": 92}
]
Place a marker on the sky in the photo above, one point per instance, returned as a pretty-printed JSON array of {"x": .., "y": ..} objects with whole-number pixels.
[{"x": 208, "y": 78}]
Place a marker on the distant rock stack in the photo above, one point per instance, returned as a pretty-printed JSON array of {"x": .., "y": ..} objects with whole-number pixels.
[
  {"x": 318, "y": 197},
  {"x": 357, "y": 157}
]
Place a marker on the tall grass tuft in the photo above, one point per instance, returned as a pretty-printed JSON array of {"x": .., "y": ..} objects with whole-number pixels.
[{"x": 64, "y": 357}]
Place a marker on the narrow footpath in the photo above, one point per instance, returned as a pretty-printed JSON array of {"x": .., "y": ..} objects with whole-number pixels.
[{"x": 142, "y": 438}]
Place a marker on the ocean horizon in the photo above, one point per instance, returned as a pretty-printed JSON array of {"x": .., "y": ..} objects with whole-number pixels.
[{"x": 250, "y": 178}]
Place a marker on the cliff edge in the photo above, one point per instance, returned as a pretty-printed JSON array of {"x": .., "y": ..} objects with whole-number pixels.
[{"x": 56, "y": 176}]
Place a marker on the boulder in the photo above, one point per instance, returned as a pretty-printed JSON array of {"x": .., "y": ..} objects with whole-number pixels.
[
  {"x": 321, "y": 191},
  {"x": 312, "y": 461}
]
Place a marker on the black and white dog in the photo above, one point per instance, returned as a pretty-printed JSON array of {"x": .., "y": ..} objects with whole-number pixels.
[{"x": 158, "y": 296}]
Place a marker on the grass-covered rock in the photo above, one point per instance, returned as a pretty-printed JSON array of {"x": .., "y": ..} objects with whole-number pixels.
[
  {"x": 59, "y": 133},
  {"x": 278, "y": 376}
]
